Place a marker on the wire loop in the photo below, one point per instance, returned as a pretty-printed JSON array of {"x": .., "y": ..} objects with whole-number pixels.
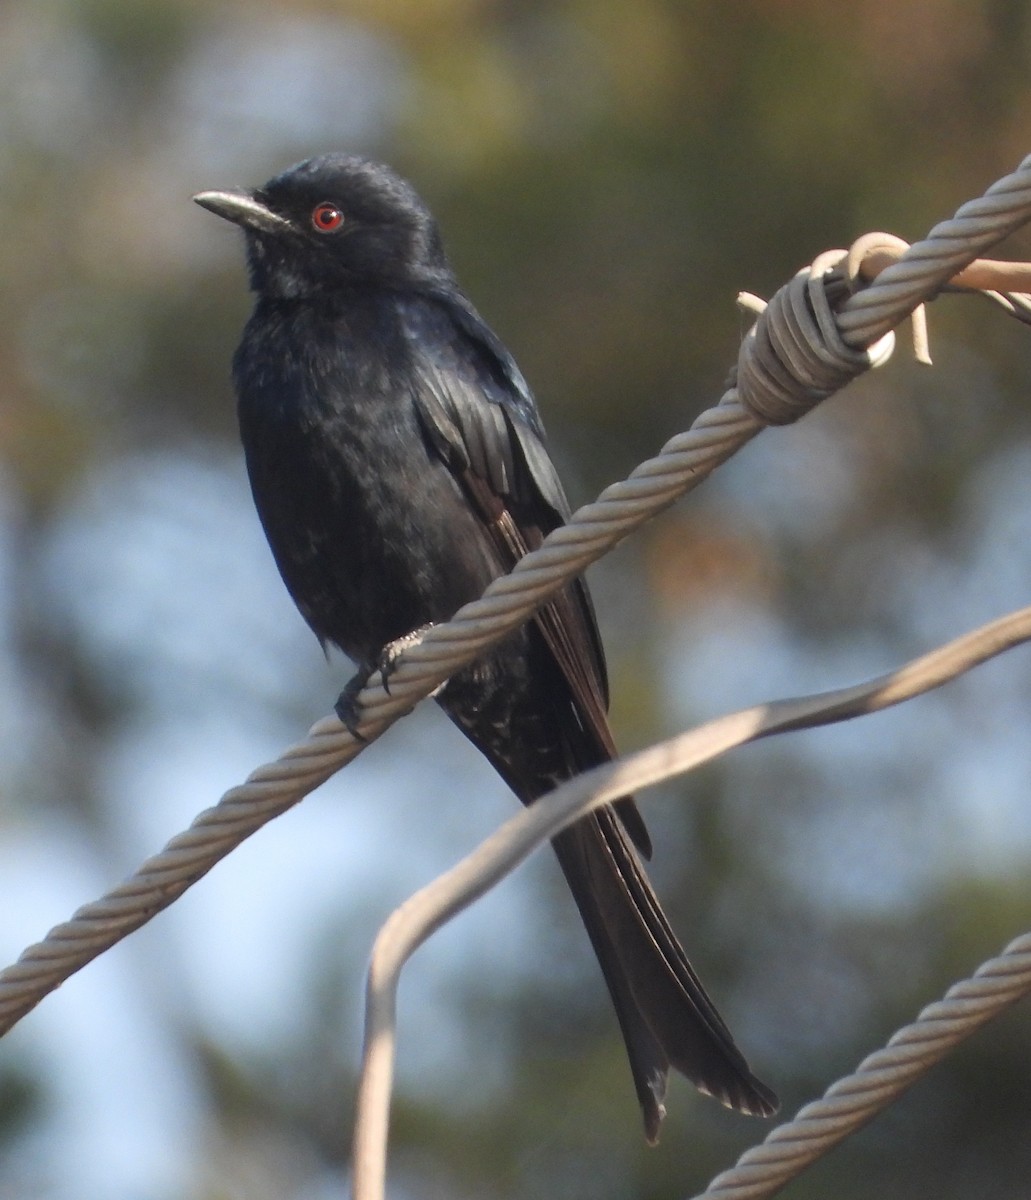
[{"x": 794, "y": 356}]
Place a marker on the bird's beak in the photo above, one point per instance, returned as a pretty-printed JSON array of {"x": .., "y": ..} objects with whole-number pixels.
[{"x": 243, "y": 208}]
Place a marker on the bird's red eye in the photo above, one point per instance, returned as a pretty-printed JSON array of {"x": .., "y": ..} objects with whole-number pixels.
[{"x": 327, "y": 218}]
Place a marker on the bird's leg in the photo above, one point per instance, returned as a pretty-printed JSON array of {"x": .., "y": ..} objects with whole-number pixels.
[{"x": 347, "y": 708}]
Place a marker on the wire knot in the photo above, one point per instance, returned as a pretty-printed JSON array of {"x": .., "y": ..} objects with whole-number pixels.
[{"x": 794, "y": 355}]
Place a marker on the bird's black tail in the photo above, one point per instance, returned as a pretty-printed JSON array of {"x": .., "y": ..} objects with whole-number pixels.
[
  {"x": 666, "y": 1017},
  {"x": 535, "y": 739}
]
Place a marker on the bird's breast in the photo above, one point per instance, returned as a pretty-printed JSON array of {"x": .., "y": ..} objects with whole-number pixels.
[{"x": 371, "y": 532}]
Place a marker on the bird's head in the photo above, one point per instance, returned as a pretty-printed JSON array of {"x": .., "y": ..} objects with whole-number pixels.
[{"x": 332, "y": 221}]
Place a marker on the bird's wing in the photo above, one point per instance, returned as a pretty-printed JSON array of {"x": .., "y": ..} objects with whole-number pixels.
[{"x": 480, "y": 418}]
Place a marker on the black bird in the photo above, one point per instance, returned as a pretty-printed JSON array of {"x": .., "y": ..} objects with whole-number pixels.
[{"x": 398, "y": 465}]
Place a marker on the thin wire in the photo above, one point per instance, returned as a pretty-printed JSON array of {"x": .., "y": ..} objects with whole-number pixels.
[{"x": 415, "y": 920}]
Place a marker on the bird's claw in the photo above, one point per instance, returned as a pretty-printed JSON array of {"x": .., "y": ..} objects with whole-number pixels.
[
  {"x": 391, "y": 653},
  {"x": 347, "y": 708}
]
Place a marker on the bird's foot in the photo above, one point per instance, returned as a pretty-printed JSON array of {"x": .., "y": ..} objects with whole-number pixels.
[
  {"x": 348, "y": 709},
  {"x": 391, "y": 653}
]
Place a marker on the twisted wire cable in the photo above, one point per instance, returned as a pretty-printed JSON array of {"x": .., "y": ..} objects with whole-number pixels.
[
  {"x": 857, "y": 1098},
  {"x": 683, "y": 463},
  {"x": 929, "y": 264}
]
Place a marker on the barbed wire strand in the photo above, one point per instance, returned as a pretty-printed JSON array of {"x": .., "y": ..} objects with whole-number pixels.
[
  {"x": 680, "y": 466},
  {"x": 880, "y": 1078},
  {"x": 414, "y": 921}
]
